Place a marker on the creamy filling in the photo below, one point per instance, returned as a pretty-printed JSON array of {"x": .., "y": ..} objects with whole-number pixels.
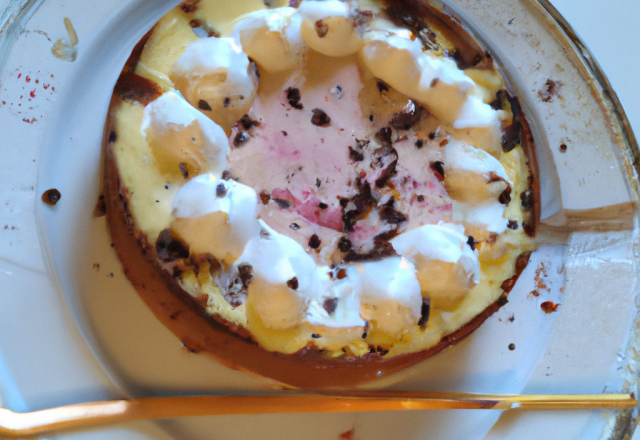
[{"x": 354, "y": 137}]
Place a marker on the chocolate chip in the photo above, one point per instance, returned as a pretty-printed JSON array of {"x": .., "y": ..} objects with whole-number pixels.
[
  {"x": 512, "y": 224},
  {"x": 318, "y": 182},
  {"x": 382, "y": 86},
  {"x": 409, "y": 116},
  {"x": 425, "y": 311},
  {"x": 226, "y": 175},
  {"x": 204, "y": 105},
  {"x": 314, "y": 242},
  {"x": 51, "y": 196},
  {"x": 472, "y": 243},
  {"x": 529, "y": 228},
  {"x": 247, "y": 123},
  {"x": 512, "y": 347},
  {"x": 293, "y": 96},
  {"x": 438, "y": 169},
  {"x": 371, "y": 118},
  {"x": 330, "y": 305},
  {"x": 293, "y": 283},
  {"x": 505, "y": 197},
  {"x": 294, "y": 226},
  {"x": 344, "y": 244},
  {"x": 322, "y": 205},
  {"x": 391, "y": 215},
  {"x": 282, "y": 203},
  {"x": 245, "y": 272},
  {"x": 264, "y": 197},
  {"x": 420, "y": 198},
  {"x": 169, "y": 248},
  {"x": 183, "y": 169},
  {"x": 419, "y": 143},
  {"x": 315, "y": 335},
  {"x": 342, "y": 274},
  {"x": 226, "y": 102},
  {"x": 112, "y": 136},
  {"x": 221, "y": 190},
  {"x": 320, "y": 118},
  {"x": 432, "y": 135},
  {"x": 563, "y": 148}
]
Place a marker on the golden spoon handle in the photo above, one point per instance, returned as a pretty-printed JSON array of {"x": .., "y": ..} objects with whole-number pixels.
[{"x": 101, "y": 413}]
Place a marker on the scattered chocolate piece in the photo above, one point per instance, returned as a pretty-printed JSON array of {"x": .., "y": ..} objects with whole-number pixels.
[
  {"x": 549, "y": 307},
  {"x": 226, "y": 102},
  {"x": 284, "y": 133},
  {"x": 321, "y": 28},
  {"x": 183, "y": 169},
  {"x": 320, "y": 118},
  {"x": 221, "y": 190},
  {"x": 342, "y": 274},
  {"x": 438, "y": 169},
  {"x": 382, "y": 86},
  {"x": 293, "y": 96},
  {"x": 169, "y": 248},
  {"x": 472, "y": 243},
  {"x": 204, "y": 105},
  {"x": 264, "y": 197},
  {"x": 424, "y": 313},
  {"x": 282, "y": 203},
  {"x": 432, "y": 135},
  {"x": 549, "y": 90},
  {"x": 512, "y": 347},
  {"x": 314, "y": 242},
  {"x": 344, "y": 244},
  {"x": 322, "y": 205},
  {"x": 248, "y": 123},
  {"x": 563, "y": 148},
  {"x": 330, "y": 305},
  {"x": 388, "y": 160},
  {"x": 294, "y": 226},
  {"x": 112, "y": 137},
  {"x": 355, "y": 155},
  {"x": 409, "y": 116},
  {"x": 51, "y": 196},
  {"x": 419, "y": 143},
  {"x": 363, "y": 203},
  {"x": 314, "y": 335},
  {"x": 293, "y": 283},
  {"x": 512, "y": 224}
]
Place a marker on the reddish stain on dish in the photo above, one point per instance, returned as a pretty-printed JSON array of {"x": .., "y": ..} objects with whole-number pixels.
[
  {"x": 348, "y": 435},
  {"x": 28, "y": 78}
]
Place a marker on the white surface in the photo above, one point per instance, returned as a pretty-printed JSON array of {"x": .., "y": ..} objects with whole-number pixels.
[{"x": 609, "y": 31}]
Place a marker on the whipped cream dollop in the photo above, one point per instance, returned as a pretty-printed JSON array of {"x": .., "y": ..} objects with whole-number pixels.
[
  {"x": 479, "y": 186},
  {"x": 271, "y": 38},
  {"x": 216, "y": 77},
  {"x": 447, "y": 266},
  {"x": 216, "y": 216},
  {"x": 179, "y": 134}
]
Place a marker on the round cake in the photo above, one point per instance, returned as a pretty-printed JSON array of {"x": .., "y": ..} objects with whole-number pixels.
[{"x": 319, "y": 192}]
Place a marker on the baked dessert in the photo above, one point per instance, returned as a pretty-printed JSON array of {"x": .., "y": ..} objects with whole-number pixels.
[{"x": 320, "y": 193}]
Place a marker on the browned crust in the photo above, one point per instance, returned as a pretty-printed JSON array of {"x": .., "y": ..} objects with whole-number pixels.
[{"x": 186, "y": 318}]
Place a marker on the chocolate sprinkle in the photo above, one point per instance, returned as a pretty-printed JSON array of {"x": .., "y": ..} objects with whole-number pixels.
[
  {"x": 226, "y": 102},
  {"x": 265, "y": 197},
  {"x": 425, "y": 311},
  {"x": 293, "y": 96},
  {"x": 294, "y": 226},
  {"x": 344, "y": 244},
  {"x": 512, "y": 224},
  {"x": 438, "y": 169},
  {"x": 183, "y": 169},
  {"x": 282, "y": 203},
  {"x": 314, "y": 242},
  {"x": 293, "y": 283},
  {"x": 204, "y": 105},
  {"x": 330, "y": 305},
  {"x": 409, "y": 116},
  {"x": 472, "y": 243},
  {"x": 320, "y": 118},
  {"x": 221, "y": 190}
]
